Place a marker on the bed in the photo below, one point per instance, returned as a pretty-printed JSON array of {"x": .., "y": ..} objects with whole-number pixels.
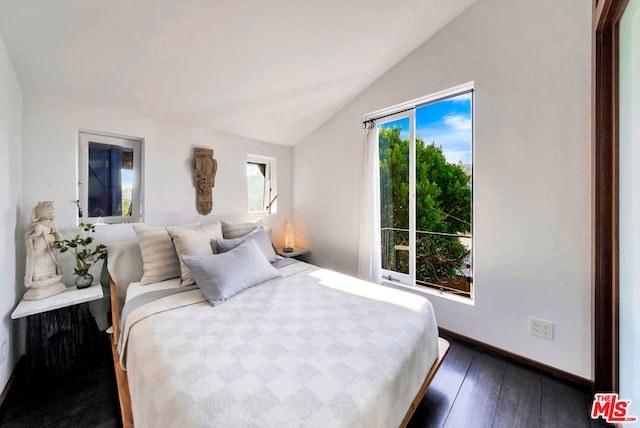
[{"x": 311, "y": 347}]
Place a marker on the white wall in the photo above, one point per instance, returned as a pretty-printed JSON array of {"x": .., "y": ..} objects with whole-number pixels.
[
  {"x": 50, "y": 134},
  {"x": 531, "y": 63},
  {"x": 630, "y": 206},
  {"x": 10, "y": 208}
]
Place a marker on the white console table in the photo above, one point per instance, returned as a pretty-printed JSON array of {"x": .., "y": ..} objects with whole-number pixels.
[{"x": 71, "y": 296}]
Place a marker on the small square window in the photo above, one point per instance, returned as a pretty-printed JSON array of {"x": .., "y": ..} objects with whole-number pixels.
[
  {"x": 109, "y": 179},
  {"x": 261, "y": 185}
]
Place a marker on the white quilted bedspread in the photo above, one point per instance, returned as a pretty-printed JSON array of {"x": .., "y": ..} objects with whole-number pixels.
[{"x": 311, "y": 349}]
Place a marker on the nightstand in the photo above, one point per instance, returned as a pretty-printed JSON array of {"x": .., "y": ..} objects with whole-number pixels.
[
  {"x": 297, "y": 252},
  {"x": 60, "y": 328}
]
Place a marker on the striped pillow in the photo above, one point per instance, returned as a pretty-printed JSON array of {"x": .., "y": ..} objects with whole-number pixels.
[
  {"x": 159, "y": 258},
  {"x": 238, "y": 230}
]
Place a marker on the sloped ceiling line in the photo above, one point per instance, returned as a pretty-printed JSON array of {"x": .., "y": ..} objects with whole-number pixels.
[{"x": 272, "y": 71}]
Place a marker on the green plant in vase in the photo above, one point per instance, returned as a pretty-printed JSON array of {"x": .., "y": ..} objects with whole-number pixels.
[{"x": 85, "y": 255}]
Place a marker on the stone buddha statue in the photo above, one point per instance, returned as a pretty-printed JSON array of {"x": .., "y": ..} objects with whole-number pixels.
[{"x": 42, "y": 274}]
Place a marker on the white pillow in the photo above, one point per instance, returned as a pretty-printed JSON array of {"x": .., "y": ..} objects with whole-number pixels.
[
  {"x": 194, "y": 242},
  {"x": 221, "y": 276},
  {"x": 159, "y": 258}
]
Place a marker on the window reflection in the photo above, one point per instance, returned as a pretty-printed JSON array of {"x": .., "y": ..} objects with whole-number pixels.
[{"x": 110, "y": 180}]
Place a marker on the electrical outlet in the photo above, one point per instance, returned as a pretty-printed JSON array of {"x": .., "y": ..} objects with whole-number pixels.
[
  {"x": 3, "y": 350},
  {"x": 541, "y": 328}
]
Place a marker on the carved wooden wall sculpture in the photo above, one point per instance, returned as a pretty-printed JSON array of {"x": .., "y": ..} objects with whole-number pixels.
[{"x": 204, "y": 177}]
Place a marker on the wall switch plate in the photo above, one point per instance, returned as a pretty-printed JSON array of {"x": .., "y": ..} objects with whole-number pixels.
[{"x": 541, "y": 328}]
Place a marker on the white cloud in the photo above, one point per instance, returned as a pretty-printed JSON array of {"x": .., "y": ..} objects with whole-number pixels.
[
  {"x": 455, "y": 156},
  {"x": 455, "y": 143},
  {"x": 458, "y": 122},
  {"x": 463, "y": 97}
]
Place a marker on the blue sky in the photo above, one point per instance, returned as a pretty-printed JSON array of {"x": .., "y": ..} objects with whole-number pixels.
[
  {"x": 448, "y": 123},
  {"x": 127, "y": 178}
]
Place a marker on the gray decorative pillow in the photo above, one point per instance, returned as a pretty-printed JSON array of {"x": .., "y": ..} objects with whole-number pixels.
[
  {"x": 238, "y": 230},
  {"x": 221, "y": 276},
  {"x": 159, "y": 258},
  {"x": 259, "y": 235},
  {"x": 193, "y": 242}
]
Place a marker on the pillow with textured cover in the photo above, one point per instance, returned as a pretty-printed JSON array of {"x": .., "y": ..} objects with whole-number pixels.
[
  {"x": 238, "y": 230},
  {"x": 159, "y": 258},
  {"x": 221, "y": 276},
  {"x": 258, "y": 234},
  {"x": 193, "y": 242}
]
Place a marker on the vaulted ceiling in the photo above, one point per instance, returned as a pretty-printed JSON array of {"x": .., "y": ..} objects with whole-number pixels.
[{"x": 271, "y": 70}]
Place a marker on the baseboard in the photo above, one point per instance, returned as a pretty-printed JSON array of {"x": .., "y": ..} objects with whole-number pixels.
[
  {"x": 584, "y": 383},
  {"x": 7, "y": 387}
]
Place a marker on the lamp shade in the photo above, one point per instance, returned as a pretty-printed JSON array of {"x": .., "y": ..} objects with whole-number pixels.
[{"x": 289, "y": 234}]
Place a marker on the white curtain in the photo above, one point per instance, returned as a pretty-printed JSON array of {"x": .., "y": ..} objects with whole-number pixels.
[{"x": 369, "y": 265}]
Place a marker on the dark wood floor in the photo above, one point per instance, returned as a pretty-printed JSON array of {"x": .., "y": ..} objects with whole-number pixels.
[
  {"x": 85, "y": 397},
  {"x": 473, "y": 388}
]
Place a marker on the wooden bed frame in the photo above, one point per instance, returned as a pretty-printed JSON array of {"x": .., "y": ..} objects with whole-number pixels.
[{"x": 123, "y": 382}]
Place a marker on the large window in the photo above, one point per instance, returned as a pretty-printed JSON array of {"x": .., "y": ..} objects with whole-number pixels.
[
  {"x": 109, "y": 179},
  {"x": 426, "y": 193},
  {"x": 261, "y": 185}
]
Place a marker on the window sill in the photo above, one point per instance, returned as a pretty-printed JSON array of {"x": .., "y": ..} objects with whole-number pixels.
[
  {"x": 258, "y": 215},
  {"x": 428, "y": 292}
]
